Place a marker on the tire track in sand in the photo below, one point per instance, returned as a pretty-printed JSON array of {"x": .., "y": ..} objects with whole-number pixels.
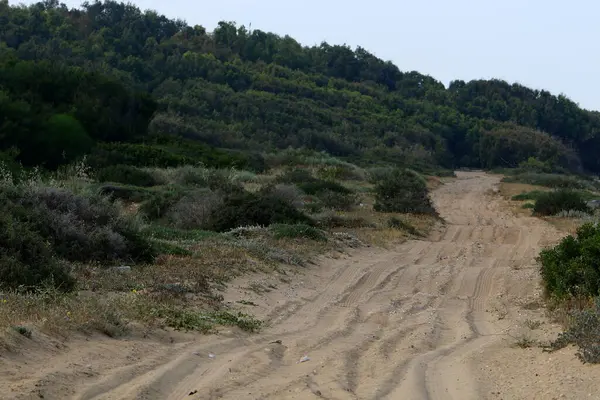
[{"x": 386, "y": 324}]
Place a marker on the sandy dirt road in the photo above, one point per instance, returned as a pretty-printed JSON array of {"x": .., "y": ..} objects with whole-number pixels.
[{"x": 433, "y": 319}]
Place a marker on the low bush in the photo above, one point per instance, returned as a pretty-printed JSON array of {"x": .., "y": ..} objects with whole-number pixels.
[
  {"x": 26, "y": 259},
  {"x": 320, "y": 186},
  {"x": 43, "y": 228},
  {"x": 397, "y": 223},
  {"x": 533, "y": 195},
  {"x": 336, "y": 200},
  {"x": 289, "y": 193},
  {"x": 126, "y": 193},
  {"x": 331, "y": 220},
  {"x": 126, "y": 174},
  {"x": 157, "y": 205},
  {"x": 403, "y": 191},
  {"x": 551, "y": 203},
  {"x": 572, "y": 268},
  {"x": 194, "y": 210},
  {"x": 82, "y": 228},
  {"x": 281, "y": 231},
  {"x": 583, "y": 332},
  {"x": 248, "y": 209},
  {"x": 555, "y": 181}
]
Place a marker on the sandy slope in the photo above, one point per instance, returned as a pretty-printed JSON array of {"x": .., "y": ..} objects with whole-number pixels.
[{"x": 433, "y": 319}]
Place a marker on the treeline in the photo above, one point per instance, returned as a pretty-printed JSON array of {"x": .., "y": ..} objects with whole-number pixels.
[{"x": 114, "y": 73}]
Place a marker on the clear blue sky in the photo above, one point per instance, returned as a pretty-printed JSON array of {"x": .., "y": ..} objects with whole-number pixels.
[{"x": 543, "y": 44}]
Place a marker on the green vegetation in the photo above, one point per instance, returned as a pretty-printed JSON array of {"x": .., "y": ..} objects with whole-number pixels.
[
  {"x": 552, "y": 203},
  {"x": 571, "y": 271},
  {"x": 297, "y": 231},
  {"x": 583, "y": 332},
  {"x": 572, "y": 268},
  {"x": 214, "y": 154},
  {"x": 146, "y": 91},
  {"x": 555, "y": 181},
  {"x": 403, "y": 191}
]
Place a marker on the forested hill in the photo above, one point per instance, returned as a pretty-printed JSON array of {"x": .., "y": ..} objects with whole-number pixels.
[{"x": 106, "y": 77}]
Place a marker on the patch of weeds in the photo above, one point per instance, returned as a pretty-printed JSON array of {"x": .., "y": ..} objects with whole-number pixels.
[
  {"x": 171, "y": 249},
  {"x": 528, "y": 206},
  {"x": 397, "y": 223},
  {"x": 243, "y": 321},
  {"x": 167, "y": 233},
  {"x": 111, "y": 325},
  {"x": 525, "y": 342},
  {"x": 532, "y": 324},
  {"x": 258, "y": 288},
  {"x": 205, "y": 322},
  {"x": 247, "y": 303},
  {"x": 281, "y": 231},
  {"x": 23, "y": 330}
]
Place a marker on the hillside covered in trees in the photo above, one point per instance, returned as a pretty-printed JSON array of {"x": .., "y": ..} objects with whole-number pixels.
[{"x": 133, "y": 87}]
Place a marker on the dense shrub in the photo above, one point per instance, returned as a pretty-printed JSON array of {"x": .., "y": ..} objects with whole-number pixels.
[
  {"x": 403, "y": 191},
  {"x": 289, "y": 193},
  {"x": 555, "y": 181},
  {"x": 297, "y": 176},
  {"x": 572, "y": 268},
  {"x": 551, "y": 203},
  {"x": 194, "y": 210},
  {"x": 249, "y": 209},
  {"x": 26, "y": 259},
  {"x": 125, "y": 193},
  {"x": 82, "y": 228},
  {"x": 126, "y": 174},
  {"x": 320, "y": 186},
  {"x": 157, "y": 205},
  {"x": 297, "y": 231},
  {"x": 42, "y": 228},
  {"x": 336, "y": 200}
]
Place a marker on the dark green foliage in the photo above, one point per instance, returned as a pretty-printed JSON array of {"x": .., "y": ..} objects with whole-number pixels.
[
  {"x": 122, "y": 73},
  {"x": 23, "y": 330},
  {"x": 319, "y": 186},
  {"x": 281, "y": 231},
  {"x": 572, "y": 268},
  {"x": 170, "y": 249},
  {"x": 583, "y": 332},
  {"x": 403, "y": 191},
  {"x": 125, "y": 174},
  {"x": 126, "y": 193},
  {"x": 62, "y": 139},
  {"x": 551, "y": 203},
  {"x": 555, "y": 181},
  {"x": 249, "y": 209},
  {"x": 157, "y": 205}
]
